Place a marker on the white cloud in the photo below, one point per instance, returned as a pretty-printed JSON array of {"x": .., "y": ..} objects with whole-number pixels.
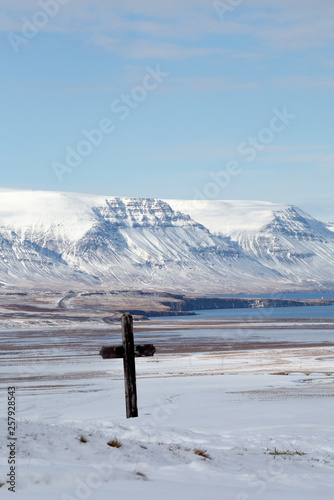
[
  {"x": 143, "y": 49},
  {"x": 306, "y": 82},
  {"x": 280, "y": 24},
  {"x": 153, "y": 49},
  {"x": 212, "y": 83}
]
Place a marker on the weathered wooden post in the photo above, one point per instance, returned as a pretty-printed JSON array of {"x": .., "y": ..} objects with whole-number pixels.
[
  {"x": 128, "y": 351},
  {"x": 129, "y": 366}
]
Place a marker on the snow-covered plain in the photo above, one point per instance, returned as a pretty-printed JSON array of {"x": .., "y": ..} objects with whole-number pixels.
[
  {"x": 260, "y": 443},
  {"x": 211, "y": 425}
]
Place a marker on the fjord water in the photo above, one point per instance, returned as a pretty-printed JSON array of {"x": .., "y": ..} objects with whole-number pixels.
[
  {"x": 286, "y": 332},
  {"x": 303, "y": 312}
]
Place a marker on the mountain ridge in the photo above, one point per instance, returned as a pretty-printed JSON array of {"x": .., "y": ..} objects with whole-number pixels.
[{"x": 56, "y": 239}]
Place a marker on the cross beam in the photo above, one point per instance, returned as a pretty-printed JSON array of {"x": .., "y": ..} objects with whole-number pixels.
[
  {"x": 128, "y": 351},
  {"x": 113, "y": 352}
]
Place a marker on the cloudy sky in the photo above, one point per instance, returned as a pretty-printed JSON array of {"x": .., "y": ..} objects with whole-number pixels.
[{"x": 228, "y": 99}]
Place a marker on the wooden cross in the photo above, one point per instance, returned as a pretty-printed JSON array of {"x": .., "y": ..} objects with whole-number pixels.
[{"x": 128, "y": 351}]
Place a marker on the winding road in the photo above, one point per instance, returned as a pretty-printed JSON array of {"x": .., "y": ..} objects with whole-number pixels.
[{"x": 69, "y": 296}]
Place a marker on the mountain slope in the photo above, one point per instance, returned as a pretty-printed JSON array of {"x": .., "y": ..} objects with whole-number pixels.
[
  {"x": 280, "y": 237},
  {"x": 65, "y": 239},
  {"x": 54, "y": 238}
]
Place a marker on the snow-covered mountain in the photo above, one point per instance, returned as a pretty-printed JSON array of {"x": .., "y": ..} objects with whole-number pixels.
[
  {"x": 65, "y": 239},
  {"x": 280, "y": 237}
]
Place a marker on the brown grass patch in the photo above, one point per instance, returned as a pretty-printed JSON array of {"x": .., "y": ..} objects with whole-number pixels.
[
  {"x": 141, "y": 475},
  {"x": 114, "y": 443},
  {"x": 202, "y": 453}
]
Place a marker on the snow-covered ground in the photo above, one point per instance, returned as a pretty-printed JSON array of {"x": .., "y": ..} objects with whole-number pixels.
[
  {"x": 225, "y": 216},
  {"x": 215, "y": 425}
]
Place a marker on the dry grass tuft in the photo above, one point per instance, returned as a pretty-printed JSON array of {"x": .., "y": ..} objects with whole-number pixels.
[
  {"x": 82, "y": 439},
  {"x": 285, "y": 453},
  {"x": 142, "y": 475},
  {"x": 174, "y": 447},
  {"x": 114, "y": 443},
  {"x": 202, "y": 453}
]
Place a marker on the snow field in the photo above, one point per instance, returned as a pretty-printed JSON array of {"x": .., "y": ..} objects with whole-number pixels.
[{"x": 263, "y": 436}]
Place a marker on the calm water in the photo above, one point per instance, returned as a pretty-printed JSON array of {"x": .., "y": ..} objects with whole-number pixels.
[
  {"x": 307, "y": 312},
  {"x": 286, "y": 295},
  {"x": 304, "y": 312},
  {"x": 216, "y": 337}
]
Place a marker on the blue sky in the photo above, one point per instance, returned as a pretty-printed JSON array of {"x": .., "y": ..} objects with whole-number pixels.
[{"x": 181, "y": 90}]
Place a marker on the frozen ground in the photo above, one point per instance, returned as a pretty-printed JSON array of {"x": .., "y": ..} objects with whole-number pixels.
[{"x": 218, "y": 425}]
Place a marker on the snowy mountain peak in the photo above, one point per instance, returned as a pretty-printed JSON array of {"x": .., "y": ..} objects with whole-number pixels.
[
  {"x": 50, "y": 238},
  {"x": 330, "y": 226}
]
